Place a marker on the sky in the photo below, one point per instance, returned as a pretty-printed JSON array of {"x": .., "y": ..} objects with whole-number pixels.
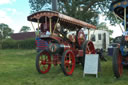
[
  {"x": 116, "y": 29},
  {"x": 14, "y": 13}
]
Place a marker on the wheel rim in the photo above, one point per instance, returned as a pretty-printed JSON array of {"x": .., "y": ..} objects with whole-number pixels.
[
  {"x": 69, "y": 62},
  {"x": 44, "y": 62},
  {"x": 120, "y": 66},
  {"x": 90, "y": 48}
]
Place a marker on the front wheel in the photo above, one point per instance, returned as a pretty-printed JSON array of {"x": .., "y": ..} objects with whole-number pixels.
[
  {"x": 68, "y": 62},
  {"x": 117, "y": 63},
  {"x": 43, "y": 62}
]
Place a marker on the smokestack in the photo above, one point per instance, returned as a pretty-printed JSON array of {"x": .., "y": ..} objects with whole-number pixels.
[{"x": 54, "y": 5}]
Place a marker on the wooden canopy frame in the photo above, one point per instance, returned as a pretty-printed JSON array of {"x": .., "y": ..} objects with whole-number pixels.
[{"x": 64, "y": 20}]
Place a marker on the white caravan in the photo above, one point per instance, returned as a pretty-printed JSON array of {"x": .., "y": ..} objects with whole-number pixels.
[{"x": 100, "y": 39}]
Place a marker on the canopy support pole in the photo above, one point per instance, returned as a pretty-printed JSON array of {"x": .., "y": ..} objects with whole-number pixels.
[
  {"x": 117, "y": 16},
  {"x": 125, "y": 21},
  {"x": 38, "y": 28},
  {"x": 118, "y": 21},
  {"x": 50, "y": 23},
  {"x": 55, "y": 25},
  {"x": 88, "y": 34},
  {"x": 33, "y": 26}
]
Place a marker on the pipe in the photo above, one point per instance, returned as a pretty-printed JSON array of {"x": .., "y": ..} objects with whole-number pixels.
[
  {"x": 125, "y": 21},
  {"x": 50, "y": 24},
  {"x": 118, "y": 21},
  {"x": 54, "y": 5}
]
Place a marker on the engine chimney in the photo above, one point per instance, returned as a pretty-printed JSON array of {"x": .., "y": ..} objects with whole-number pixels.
[{"x": 54, "y": 5}]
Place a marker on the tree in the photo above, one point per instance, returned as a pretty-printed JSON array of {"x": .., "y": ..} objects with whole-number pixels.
[
  {"x": 25, "y": 29},
  {"x": 86, "y": 10},
  {"x": 37, "y": 5},
  {"x": 5, "y": 31},
  {"x": 103, "y": 26}
]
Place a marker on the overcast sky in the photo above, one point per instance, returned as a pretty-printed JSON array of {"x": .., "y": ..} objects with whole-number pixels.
[{"x": 15, "y": 12}]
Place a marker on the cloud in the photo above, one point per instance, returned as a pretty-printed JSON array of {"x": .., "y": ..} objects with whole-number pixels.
[
  {"x": 6, "y": 1},
  {"x": 12, "y": 10},
  {"x": 9, "y": 16},
  {"x": 4, "y": 18},
  {"x": 9, "y": 20}
]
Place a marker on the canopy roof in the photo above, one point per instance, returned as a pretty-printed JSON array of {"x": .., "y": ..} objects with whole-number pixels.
[
  {"x": 64, "y": 20},
  {"x": 118, "y": 7}
]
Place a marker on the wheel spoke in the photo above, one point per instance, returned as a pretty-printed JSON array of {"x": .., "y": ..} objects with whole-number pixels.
[
  {"x": 46, "y": 58},
  {"x": 40, "y": 63},
  {"x": 69, "y": 57},
  {"x": 88, "y": 50},
  {"x": 44, "y": 67},
  {"x": 69, "y": 67},
  {"x": 41, "y": 58}
]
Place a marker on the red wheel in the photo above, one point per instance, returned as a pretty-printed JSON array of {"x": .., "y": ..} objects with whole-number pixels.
[
  {"x": 117, "y": 63},
  {"x": 81, "y": 37},
  {"x": 68, "y": 62},
  {"x": 88, "y": 48},
  {"x": 43, "y": 62}
]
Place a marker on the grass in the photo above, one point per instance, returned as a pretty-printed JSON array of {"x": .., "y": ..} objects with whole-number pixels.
[{"x": 17, "y": 67}]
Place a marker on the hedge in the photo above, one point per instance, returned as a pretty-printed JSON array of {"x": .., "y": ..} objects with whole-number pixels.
[{"x": 18, "y": 44}]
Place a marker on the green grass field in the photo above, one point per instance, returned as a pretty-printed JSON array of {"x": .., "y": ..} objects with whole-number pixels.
[{"x": 17, "y": 67}]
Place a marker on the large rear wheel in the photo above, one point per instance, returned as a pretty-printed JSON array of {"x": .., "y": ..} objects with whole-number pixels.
[
  {"x": 43, "y": 62},
  {"x": 88, "y": 48},
  {"x": 117, "y": 63},
  {"x": 68, "y": 62}
]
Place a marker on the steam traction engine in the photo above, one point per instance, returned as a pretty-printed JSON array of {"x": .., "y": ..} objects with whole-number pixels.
[
  {"x": 55, "y": 45},
  {"x": 120, "y": 54}
]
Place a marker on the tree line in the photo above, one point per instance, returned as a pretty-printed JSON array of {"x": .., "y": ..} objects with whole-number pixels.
[
  {"x": 7, "y": 43},
  {"x": 6, "y": 31},
  {"x": 86, "y": 10}
]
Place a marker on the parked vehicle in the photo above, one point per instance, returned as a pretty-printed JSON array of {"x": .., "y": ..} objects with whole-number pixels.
[
  {"x": 100, "y": 39},
  {"x": 120, "y": 53},
  {"x": 54, "y": 44},
  {"x": 115, "y": 43}
]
